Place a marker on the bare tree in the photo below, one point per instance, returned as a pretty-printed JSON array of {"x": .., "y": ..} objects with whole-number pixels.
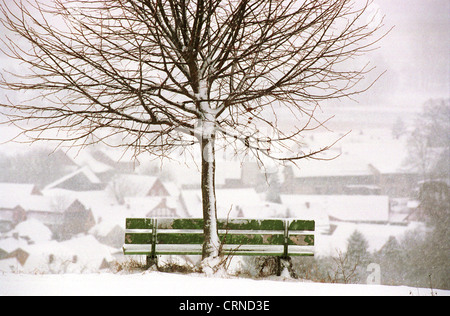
[{"x": 165, "y": 74}]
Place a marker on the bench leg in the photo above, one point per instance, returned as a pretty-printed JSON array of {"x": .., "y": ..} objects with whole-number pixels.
[
  {"x": 152, "y": 261},
  {"x": 284, "y": 266}
]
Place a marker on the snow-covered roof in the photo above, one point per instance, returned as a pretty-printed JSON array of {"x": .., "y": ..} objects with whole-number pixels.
[
  {"x": 184, "y": 170},
  {"x": 35, "y": 230},
  {"x": 358, "y": 208},
  {"x": 27, "y": 202},
  {"x": 20, "y": 189},
  {"x": 10, "y": 244},
  {"x": 301, "y": 207},
  {"x": 134, "y": 184},
  {"x": 171, "y": 187},
  {"x": 87, "y": 172},
  {"x": 84, "y": 158},
  {"x": 232, "y": 203},
  {"x": 77, "y": 255},
  {"x": 12, "y": 195},
  {"x": 228, "y": 201},
  {"x": 356, "y": 154}
]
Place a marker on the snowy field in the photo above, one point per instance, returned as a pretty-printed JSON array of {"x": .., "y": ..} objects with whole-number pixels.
[{"x": 165, "y": 284}]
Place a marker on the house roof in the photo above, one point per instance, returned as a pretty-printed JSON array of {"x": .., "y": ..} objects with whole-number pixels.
[
  {"x": 33, "y": 229},
  {"x": 356, "y": 154},
  {"x": 55, "y": 203},
  {"x": 302, "y": 207},
  {"x": 230, "y": 203},
  {"x": 88, "y": 252},
  {"x": 136, "y": 185},
  {"x": 87, "y": 172},
  {"x": 84, "y": 158},
  {"x": 27, "y": 202},
  {"x": 10, "y": 244},
  {"x": 21, "y": 189},
  {"x": 357, "y": 208}
]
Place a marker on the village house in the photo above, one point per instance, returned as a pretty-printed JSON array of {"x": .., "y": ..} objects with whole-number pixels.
[
  {"x": 116, "y": 160},
  {"x": 346, "y": 175},
  {"x": 10, "y": 212},
  {"x": 233, "y": 203},
  {"x": 103, "y": 162},
  {"x": 135, "y": 185},
  {"x": 65, "y": 217},
  {"x": 9, "y": 217},
  {"x": 12, "y": 250},
  {"x": 129, "y": 195}
]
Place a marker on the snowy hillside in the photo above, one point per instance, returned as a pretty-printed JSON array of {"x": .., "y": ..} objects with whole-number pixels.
[{"x": 164, "y": 284}]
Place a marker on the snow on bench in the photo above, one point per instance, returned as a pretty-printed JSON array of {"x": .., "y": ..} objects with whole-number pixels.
[{"x": 282, "y": 238}]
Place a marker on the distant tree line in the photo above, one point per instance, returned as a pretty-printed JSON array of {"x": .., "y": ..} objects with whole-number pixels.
[{"x": 37, "y": 166}]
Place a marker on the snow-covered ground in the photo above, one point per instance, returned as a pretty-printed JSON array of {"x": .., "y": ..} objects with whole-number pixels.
[{"x": 165, "y": 284}]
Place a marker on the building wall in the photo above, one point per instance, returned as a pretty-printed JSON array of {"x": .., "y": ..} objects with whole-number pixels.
[{"x": 392, "y": 185}]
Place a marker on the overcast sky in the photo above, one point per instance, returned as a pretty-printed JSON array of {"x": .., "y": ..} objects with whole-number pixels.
[{"x": 414, "y": 54}]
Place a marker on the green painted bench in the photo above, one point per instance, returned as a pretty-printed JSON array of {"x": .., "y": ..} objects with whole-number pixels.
[{"x": 242, "y": 237}]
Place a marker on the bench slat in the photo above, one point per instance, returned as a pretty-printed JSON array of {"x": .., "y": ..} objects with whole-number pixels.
[
  {"x": 251, "y": 224},
  {"x": 197, "y": 238},
  {"x": 300, "y": 240},
  {"x": 138, "y": 238},
  {"x": 139, "y": 223},
  {"x": 182, "y": 249},
  {"x": 233, "y": 224},
  {"x": 252, "y": 239},
  {"x": 179, "y": 223},
  {"x": 301, "y": 251},
  {"x": 299, "y": 224},
  {"x": 255, "y": 250},
  {"x": 179, "y": 249},
  {"x": 137, "y": 249}
]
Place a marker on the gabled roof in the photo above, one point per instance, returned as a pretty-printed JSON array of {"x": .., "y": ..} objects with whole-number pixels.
[
  {"x": 20, "y": 189},
  {"x": 83, "y": 158},
  {"x": 302, "y": 207},
  {"x": 89, "y": 175},
  {"x": 10, "y": 244},
  {"x": 134, "y": 185},
  {"x": 37, "y": 203},
  {"x": 229, "y": 202},
  {"x": 352, "y": 208}
]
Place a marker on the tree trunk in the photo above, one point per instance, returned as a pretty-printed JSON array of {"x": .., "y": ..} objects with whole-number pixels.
[{"x": 211, "y": 243}]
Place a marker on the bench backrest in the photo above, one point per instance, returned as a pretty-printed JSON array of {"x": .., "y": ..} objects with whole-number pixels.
[{"x": 184, "y": 236}]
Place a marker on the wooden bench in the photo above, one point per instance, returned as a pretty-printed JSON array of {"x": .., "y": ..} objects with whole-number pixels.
[{"x": 242, "y": 237}]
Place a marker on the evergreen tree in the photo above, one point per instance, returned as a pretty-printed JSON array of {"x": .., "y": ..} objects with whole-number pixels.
[
  {"x": 391, "y": 262},
  {"x": 358, "y": 256},
  {"x": 357, "y": 248}
]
